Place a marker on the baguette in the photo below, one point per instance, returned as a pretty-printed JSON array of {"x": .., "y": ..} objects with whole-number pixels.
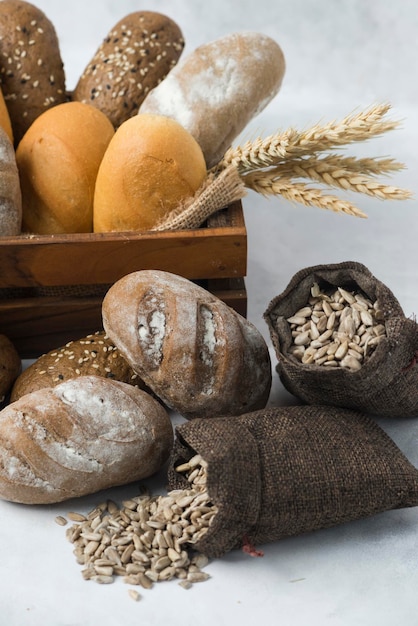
[{"x": 79, "y": 437}]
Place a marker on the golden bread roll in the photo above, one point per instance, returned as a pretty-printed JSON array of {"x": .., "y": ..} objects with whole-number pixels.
[
  {"x": 196, "y": 353},
  {"x": 31, "y": 69},
  {"x": 218, "y": 88},
  {"x": 58, "y": 159},
  {"x": 134, "y": 57},
  {"x": 150, "y": 166},
  {"x": 93, "y": 355},
  {"x": 79, "y": 437},
  {"x": 5, "y": 122},
  {"x": 10, "y": 193}
]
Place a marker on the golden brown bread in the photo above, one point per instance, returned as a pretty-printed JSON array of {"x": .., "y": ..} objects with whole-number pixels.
[
  {"x": 197, "y": 354},
  {"x": 31, "y": 69},
  {"x": 10, "y": 366},
  {"x": 93, "y": 355},
  {"x": 10, "y": 191},
  {"x": 79, "y": 437},
  {"x": 218, "y": 88},
  {"x": 5, "y": 122},
  {"x": 150, "y": 166},
  {"x": 134, "y": 57},
  {"x": 72, "y": 139}
]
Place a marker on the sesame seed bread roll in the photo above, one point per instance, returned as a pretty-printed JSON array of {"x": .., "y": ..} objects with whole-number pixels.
[
  {"x": 82, "y": 436},
  {"x": 71, "y": 139},
  {"x": 136, "y": 55},
  {"x": 218, "y": 88},
  {"x": 31, "y": 69},
  {"x": 93, "y": 355},
  {"x": 196, "y": 353},
  {"x": 151, "y": 165},
  {"x": 10, "y": 192}
]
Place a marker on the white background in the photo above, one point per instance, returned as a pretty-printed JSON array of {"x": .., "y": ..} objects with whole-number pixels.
[{"x": 341, "y": 56}]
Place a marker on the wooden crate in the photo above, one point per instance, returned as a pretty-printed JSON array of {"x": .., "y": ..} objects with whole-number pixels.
[{"x": 52, "y": 287}]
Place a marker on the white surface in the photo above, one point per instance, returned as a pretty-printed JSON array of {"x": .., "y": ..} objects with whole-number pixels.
[{"x": 340, "y": 56}]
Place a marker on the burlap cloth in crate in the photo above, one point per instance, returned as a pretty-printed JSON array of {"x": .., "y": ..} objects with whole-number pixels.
[
  {"x": 288, "y": 470},
  {"x": 386, "y": 384}
]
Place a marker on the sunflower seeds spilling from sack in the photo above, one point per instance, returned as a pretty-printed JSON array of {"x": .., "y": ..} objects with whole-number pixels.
[
  {"x": 150, "y": 539},
  {"x": 336, "y": 328}
]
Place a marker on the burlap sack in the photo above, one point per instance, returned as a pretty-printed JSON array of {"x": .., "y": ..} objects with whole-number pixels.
[
  {"x": 386, "y": 384},
  {"x": 283, "y": 471}
]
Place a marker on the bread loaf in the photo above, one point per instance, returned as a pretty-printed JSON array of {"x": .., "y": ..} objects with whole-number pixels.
[
  {"x": 79, "y": 437},
  {"x": 195, "y": 352},
  {"x": 5, "y": 122},
  {"x": 31, "y": 69},
  {"x": 94, "y": 355},
  {"x": 136, "y": 55},
  {"x": 218, "y": 88},
  {"x": 71, "y": 139},
  {"x": 150, "y": 166},
  {"x": 10, "y": 366},
  {"x": 10, "y": 192}
]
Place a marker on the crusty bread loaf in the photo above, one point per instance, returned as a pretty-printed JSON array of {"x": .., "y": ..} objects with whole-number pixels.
[
  {"x": 94, "y": 355},
  {"x": 79, "y": 437},
  {"x": 136, "y": 55},
  {"x": 150, "y": 166},
  {"x": 58, "y": 159},
  {"x": 5, "y": 122},
  {"x": 10, "y": 365},
  {"x": 218, "y": 88},
  {"x": 31, "y": 69},
  {"x": 10, "y": 192},
  {"x": 196, "y": 353}
]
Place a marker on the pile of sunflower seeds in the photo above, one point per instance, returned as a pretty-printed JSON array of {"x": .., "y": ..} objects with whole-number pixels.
[
  {"x": 336, "y": 329},
  {"x": 150, "y": 538}
]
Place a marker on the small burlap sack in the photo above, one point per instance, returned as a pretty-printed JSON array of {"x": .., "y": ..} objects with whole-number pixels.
[
  {"x": 387, "y": 382},
  {"x": 289, "y": 470}
]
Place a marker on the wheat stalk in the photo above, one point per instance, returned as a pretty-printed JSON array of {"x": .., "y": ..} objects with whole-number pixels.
[
  {"x": 293, "y": 143},
  {"x": 268, "y": 185}
]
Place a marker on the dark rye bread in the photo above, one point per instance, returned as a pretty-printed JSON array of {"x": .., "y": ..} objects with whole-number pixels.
[
  {"x": 32, "y": 74},
  {"x": 92, "y": 355},
  {"x": 10, "y": 366},
  {"x": 137, "y": 54}
]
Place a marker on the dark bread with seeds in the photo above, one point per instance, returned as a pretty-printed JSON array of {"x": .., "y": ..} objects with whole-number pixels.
[
  {"x": 137, "y": 54},
  {"x": 10, "y": 365},
  {"x": 31, "y": 69},
  {"x": 93, "y": 355}
]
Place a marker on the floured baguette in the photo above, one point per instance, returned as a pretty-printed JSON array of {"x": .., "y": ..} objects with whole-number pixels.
[{"x": 79, "y": 437}]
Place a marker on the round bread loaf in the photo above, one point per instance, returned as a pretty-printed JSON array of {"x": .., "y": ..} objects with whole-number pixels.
[
  {"x": 79, "y": 437},
  {"x": 151, "y": 165},
  {"x": 31, "y": 69},
  {"x": 10, "y": 191},
  {"x": 5, "y": 122},
  {"x": 218, "y": 88},
  {"x": 136, "y": 55},
  {"x": 58, "y": 198},
  {"x": 94, "y": 355},
  {"x": 10, "y": 366},
  {"x": 196, "y": 353}
]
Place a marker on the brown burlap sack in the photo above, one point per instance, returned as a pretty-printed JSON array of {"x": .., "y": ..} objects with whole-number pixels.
[
  {"x": 283, "y": 471},
  {"x": 386, "y": 384}
]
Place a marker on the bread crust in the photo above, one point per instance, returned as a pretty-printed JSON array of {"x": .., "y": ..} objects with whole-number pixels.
[
  {"x": 10, "y": 190},
  {"x": 31, "y": 69},
  {"x": 134, "y": 57},
  {"x": 79, "y": 437},
  {"x": 10, "y": 366},
  {"x": 197, "y": 354}
]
